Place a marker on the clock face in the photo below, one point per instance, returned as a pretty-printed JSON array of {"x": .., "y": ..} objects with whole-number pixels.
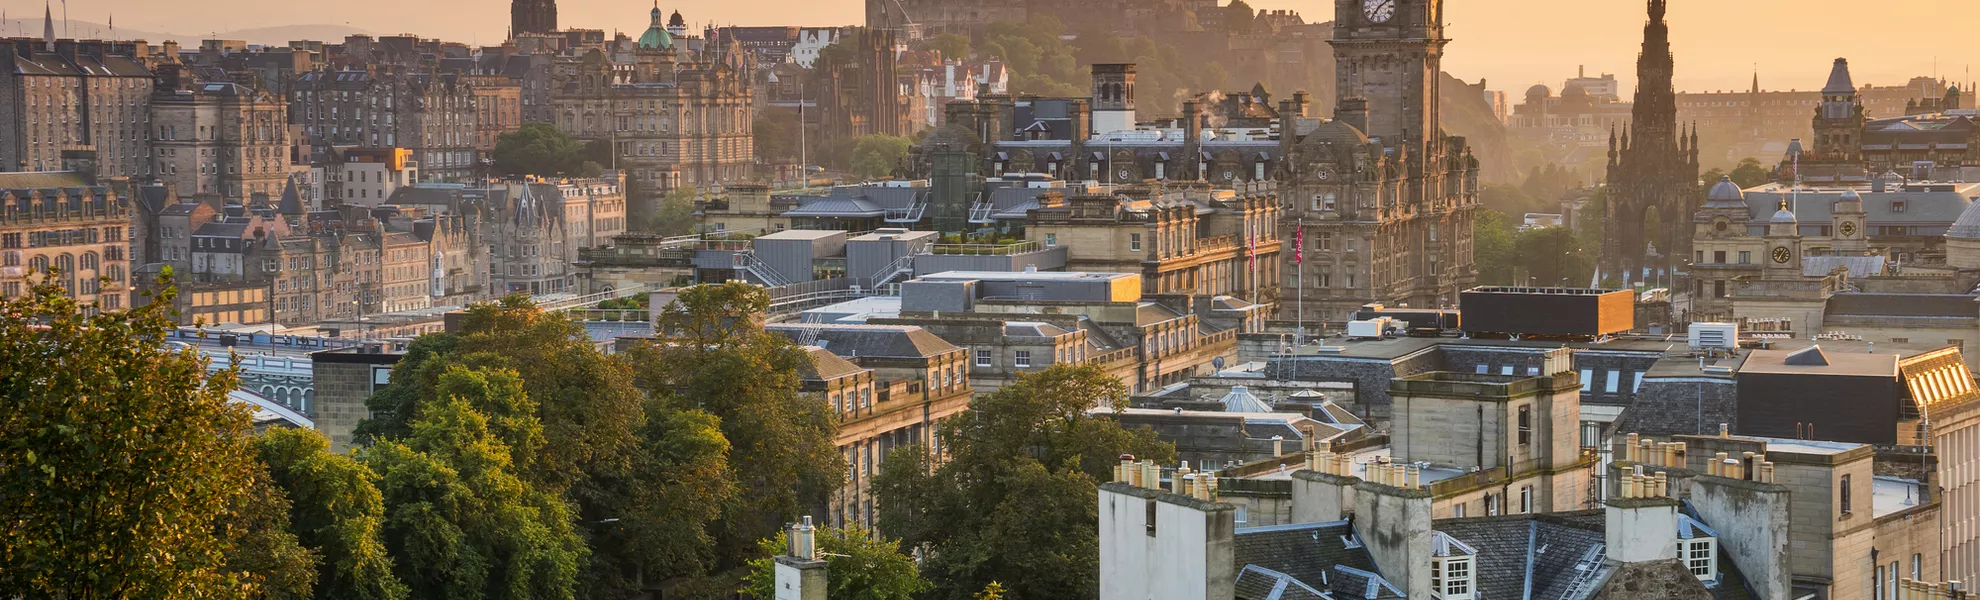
[
  {"x": 1326, "y": 173},
  {"x": 1848, "y": 228},
  {"x": 1122, "y": 175},
  {"x": 1379, "y": 11},
  {"x": 1782, "y": 255}
]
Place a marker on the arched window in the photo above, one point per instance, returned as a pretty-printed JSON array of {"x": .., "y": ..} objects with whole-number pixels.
[
  {"x": 38, "y": 264},
  {"x": 66, "y": 263},
  {"x": 89, "y": 261}
]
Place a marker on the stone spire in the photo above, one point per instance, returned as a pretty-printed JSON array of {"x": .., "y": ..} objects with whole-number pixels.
[
  {"x": 1839, "y": 80},
  {"x": 47, "y": 27}
]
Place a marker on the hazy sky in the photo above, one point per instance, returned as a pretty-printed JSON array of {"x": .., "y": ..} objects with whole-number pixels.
[{"x": 1514, "y": 43}]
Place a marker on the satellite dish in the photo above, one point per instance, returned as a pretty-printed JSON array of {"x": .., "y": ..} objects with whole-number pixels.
[{"x": 1217, "y": 363}]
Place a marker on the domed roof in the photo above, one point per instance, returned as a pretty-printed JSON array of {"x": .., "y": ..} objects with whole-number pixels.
[
  {"x": 1336, "y": 131},
  {"x": 1574, "y": 91},
  {"x": 656, "y": 36},
  {"x": 676, "y": 20},
  {"x": 1967, "y": 227},
  {"x": 1850, "y": 196},
  {"x": 1540, "y": 91},
  {"x": 1242, "y": 400},
  {"x": 1782, "y": 216},
  {"x": 1726, "y": 191}
]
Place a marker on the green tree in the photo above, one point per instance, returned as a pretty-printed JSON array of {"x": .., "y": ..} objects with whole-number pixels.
[
  {"x": 952, "y": 46},
  {"x": 118, "y": 456},
  {"x": 1018, "y": 499},
  {"x": 461, "y": 524},
  {"x": 1239, "y": 17},
  {"x": 675, "y": 215},
  {"x": 877, "y": 156},
  {"x": 1750, "y": 173},
  {"x": 1508, "y": 199},
  {"x": 666, "y": 531},
  {"x": 262, "y": 550},
  {"x": 714, "y": 356},
  {"x": 1552, "y": 256},
  {"x": 775, "y": 135},
  {"x": 335, "y": 510},
  {"x": 540, "y": 149},
  {"x": 858, "y": 564},
  {"x": 1492, "y": 247}
]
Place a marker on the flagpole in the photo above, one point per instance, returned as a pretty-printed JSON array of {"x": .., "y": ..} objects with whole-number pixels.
[{"x": 1299, "y": 281}]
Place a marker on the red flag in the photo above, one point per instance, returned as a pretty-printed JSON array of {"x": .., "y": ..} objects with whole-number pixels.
[
  {"x": 1299, "y": 245},
  {"x": 1251, "y": 249}
]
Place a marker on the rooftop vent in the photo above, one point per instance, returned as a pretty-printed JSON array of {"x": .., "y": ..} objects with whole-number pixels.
[{"x": 1808, "y": 357}]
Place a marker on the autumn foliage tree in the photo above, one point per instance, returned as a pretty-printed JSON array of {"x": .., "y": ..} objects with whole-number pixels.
[{"x": 120, "y": 458}]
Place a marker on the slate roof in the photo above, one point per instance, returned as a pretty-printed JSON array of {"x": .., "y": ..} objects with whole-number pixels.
[
  {"x": 1032, "y": 329},
  {"x": 1150, "y": 313},
  {"x": 883, "y": 341},
  {"x": 835, "y": 207},
  {"x": 1307, "y": 552},
  {"x": 1859, "y": 266},
  {"x": 1816, "y": 206},
  {"x": 826, "y": 366},
  {"x": 1522, "y": 553},
  {"x": 40, "y": 179}
]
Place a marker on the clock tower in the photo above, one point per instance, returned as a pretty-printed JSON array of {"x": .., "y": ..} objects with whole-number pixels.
[
  {"x": 1390, "y": 52},
  {"x": 1783, "y": 241}
]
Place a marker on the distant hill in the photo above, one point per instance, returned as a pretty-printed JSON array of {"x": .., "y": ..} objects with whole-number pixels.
[{"x": 270, "y": 36}]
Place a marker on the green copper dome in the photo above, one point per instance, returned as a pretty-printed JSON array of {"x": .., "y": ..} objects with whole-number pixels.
[{"x": 656, "y": 36}]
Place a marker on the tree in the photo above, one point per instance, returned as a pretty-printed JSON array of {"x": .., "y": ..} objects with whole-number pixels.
[
  {"x": 1552, "y": 256},
  {"x": 261, "y": 549},
  {"x": 666, "y": 531},
  {"x": 952, "y": 46},
  {"x": 1017, "y": 500},
  {"x": 540, "y": 149},
  {"x": 118, "y": 456},
  {"x": 461, "y": 524},
  {"x": 877, "y": 156},
  {"x": 775, "y": 134},
  {"x": 336, "y": 512},
  {"x": 1492, "y": 247},
  {"x": 714, "y": 356},
  {"x": 585, "y": 402},
  {"x": 1750, "y": 173},
  {"x": 1238, "y": 17},
  {"x": 858, "y": 564},
  {"x": 675, "y": 216}
]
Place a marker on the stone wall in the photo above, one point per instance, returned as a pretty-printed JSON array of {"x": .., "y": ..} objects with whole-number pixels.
[
  {"x": 344, "y": 380},
  {"x": 1659, "y": 580},
  {"x": 1752, "y": 521}
]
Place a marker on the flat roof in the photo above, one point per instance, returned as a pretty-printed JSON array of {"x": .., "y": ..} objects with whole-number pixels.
[
  {"x": 801, "y": 234},
  {"x": 1893, "y": 494},
  {"x": 1025, "y": 276},
  {"x": 1393, "y": 348},
  {"x": 1812, "y": 447},
  {"x": 878, "y": 236},
  {"x": 861, "y": 309},
  {"x": 1849, "y": 364}
]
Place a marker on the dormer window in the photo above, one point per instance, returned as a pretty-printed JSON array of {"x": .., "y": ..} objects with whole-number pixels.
[
  {"x": 1897, "y": 206},
  {"x": 1698, "y": 547},
  {"x": 1451, "y": 578}
]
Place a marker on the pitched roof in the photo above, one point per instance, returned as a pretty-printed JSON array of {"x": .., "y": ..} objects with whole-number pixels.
[
  {"x": 1306, "y": 552},
  {"x": 1903, "y": 305},
  {"x": 1521, "y": 554},
  {"x": 881, "y": 341},
  {"x": 826, "y": 366}
]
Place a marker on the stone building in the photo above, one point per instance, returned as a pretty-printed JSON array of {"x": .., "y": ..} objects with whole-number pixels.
[
  {"x": 406, "y": 272},
  {"x": 498, "y": 109},
  {"x": 532, "y": 16},
  {"x": 859, "y": 91},
  {"x": 1653, "y": 172},
  {"x": 911, "y": 381},
  {"x": 430, "y": 112},
  {"x": 527, "y": 232},
  {"x": 220, "y": 138},
  {"x": 1381, "y": 195},
  {"x": 57, "y": 95},
  {"x": 1181, "y": 241},
  {"x": 678, "y": 117},
  {"x": 65, "y": 221}
]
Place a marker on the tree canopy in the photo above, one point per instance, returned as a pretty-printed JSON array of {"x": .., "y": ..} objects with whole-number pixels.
[
  {"x": 540, "y": 149},
  {"x": 857, "y": 565},
  {"x": 118, "y": 458},
  {"x": 715, "y": 357},
  {"x": 1023, "y": 473}
]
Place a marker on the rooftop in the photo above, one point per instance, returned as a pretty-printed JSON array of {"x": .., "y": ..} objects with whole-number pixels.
[{"x": 1813, "y": 360}]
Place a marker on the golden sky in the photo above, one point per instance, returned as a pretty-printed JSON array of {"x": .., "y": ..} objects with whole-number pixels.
[{"x": 1513, "y": 43}]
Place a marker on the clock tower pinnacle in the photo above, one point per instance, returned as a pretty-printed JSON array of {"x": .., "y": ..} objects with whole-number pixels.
[{"x": 1391, "y": 52}]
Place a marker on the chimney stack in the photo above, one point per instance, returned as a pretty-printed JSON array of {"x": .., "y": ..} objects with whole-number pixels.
[
  {"x": 800, "y": 567},
  {"x": 1642, "y": 520}
]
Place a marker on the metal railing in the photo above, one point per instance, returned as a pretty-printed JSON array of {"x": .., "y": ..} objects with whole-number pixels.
[
  {"x": 587, "y": 300},
  {"x": 764, "y": 273},
  {"x": 1009, "y": 249},
  {"x": 609, "y": 314}
]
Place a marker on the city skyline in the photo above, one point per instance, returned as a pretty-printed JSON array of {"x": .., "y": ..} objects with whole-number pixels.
[{"x": 1718, "y": 46}]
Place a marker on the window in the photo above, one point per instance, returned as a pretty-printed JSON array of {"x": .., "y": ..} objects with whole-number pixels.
[
  {"x": 1326, "y": 241},
  {"x": 1457, "y": 511},
  {"x": 1719, "y": 257},
  {"x": 1051, "y": 239},
  {"x": 1483, "y": 369},
  {"x": 1134, "y": 242},
  {"x": 1450, "y": 577},
  {"x": 1151, "y": 518},
  {"x": 1614, "y": 380},
  {"x": 1505, "y": 369},
  {"x": 1745, "y": 257},
  {"x": 983, "y": 358},
  {"x": 1897, "y": 206},
  {"x": 1700, "y": 558},
  {"x": 1021, "y": 358},
  {"x": 1844, "y": 500},
  {"x": 1917, "y": 573},
  {"x": 1525, "y": 425},
  {"x": 1526, "y": 499},
  {"x": 1491, "y": 505},
  {"x": 1587, "y": 377}
]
